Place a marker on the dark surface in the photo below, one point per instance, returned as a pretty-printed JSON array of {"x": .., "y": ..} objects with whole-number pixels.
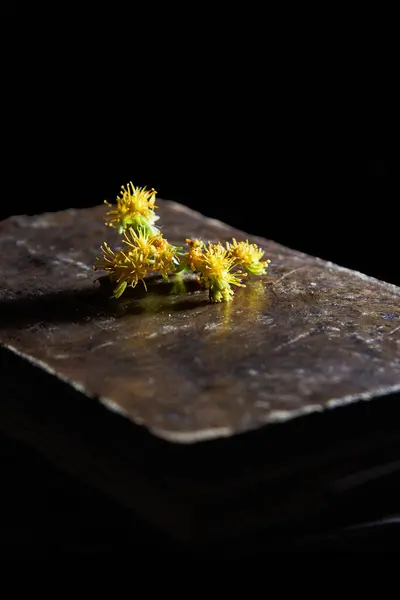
[
  {"x": 182, "y": 370},
  {"x": 47, "y": 513},
  {"x": 306, "y": 337}
]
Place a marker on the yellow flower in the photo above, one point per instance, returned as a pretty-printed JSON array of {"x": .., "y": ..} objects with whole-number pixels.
[
  {"x": 147, "y": 251},
  {"x": 194, "y": 257},
  {"x": 124, "y": 268},
  {"x": 165, "y": 256},
  {"x": 139, "y": 241},
  {"x": 215, "y": 266},
  {"x": 248, "y": 256},
  {"x": 143, "y": 254},
  {"x": 134, "y": 208},
  {"x": 160, "y": 255}
]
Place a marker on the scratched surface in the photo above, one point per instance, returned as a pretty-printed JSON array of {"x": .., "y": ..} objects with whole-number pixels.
[{"x": 307, "y": 337}]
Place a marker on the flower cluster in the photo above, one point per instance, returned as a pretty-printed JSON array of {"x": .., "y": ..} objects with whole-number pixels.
[
  {"x": 143, "y": 254},
  {"x": 147, "y": 251},
  {"x": 215, "y": 263},
  {"x": 247, "y": 256},
  {"x": 135, "y": 208}
]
